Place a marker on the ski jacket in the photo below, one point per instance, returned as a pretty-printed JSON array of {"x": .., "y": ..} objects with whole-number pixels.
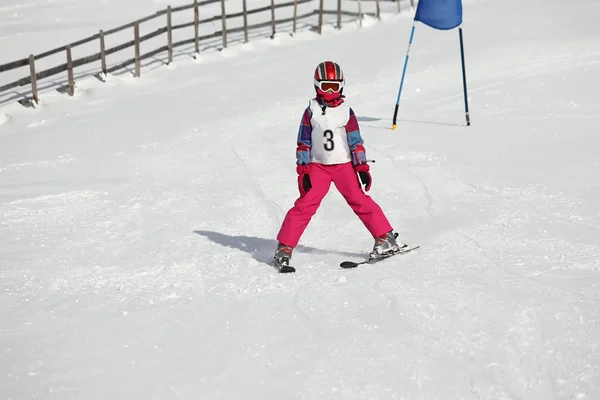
[{"x": 329, "y": 135}]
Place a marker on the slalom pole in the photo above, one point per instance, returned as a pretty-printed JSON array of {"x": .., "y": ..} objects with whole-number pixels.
[
  {"x": 464, "y": 76},
  {"x": 412, "y": 33}
]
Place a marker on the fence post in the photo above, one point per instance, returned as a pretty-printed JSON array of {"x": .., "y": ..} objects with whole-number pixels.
[
  {"x": 412, "y": 3},
  {"x": 224, "y": 23},
  {"x": 34, "y": 91},
  {"x": 339, "y": 14},
  {"x": 102, "y": 52},
  {"x": 136, "y": 32},
  {"x": 320, "y": 26},
  {"x": 398, "y": 1},
  {"x": 360, "y": 17},
  {"x": 378, "y": 9},
  {"x": 272, "y": 19},
  {"x": 295, "y": 15},
  {"x": 196, "y": 22},
  {"x": 169, "y": 35},
  {"x": 71, "y": 84},
  {"x": 245, "y": 21}
]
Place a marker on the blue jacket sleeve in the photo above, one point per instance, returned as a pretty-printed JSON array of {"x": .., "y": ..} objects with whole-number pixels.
[
  {"x": 304, "y": 138},
  {"x": 355, "y": 141}
]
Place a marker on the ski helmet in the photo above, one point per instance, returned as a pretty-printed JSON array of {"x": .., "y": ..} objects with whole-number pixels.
[{"x": 329, "y": 80}]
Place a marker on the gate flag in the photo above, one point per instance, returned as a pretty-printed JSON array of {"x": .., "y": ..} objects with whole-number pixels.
[{"x": 440, "y": 14}]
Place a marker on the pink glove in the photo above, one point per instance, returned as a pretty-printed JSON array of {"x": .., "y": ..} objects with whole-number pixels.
[
  {"x": 365, "y": 176},
  {"x": 304, "y": 184}
]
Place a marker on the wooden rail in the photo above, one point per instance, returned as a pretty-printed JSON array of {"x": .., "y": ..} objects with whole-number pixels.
[{"x": 71, "y": 64}]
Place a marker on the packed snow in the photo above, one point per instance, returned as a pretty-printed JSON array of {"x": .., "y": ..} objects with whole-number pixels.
[{"x": 138, "y": 218}]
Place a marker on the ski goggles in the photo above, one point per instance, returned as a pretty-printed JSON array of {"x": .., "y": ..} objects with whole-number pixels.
[{"x": 329, "y": 86}]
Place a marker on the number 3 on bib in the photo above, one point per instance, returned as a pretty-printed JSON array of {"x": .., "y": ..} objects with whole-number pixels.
[{"x": 328, "y": 145}]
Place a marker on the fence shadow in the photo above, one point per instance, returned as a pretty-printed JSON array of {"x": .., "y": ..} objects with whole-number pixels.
[{"x": 60, "y": 83}]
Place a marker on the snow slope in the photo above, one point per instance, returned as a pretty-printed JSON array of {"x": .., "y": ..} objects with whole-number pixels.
[{"x": 138, "y": 220}]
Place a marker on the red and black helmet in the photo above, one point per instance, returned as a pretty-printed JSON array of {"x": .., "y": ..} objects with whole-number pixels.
[{"x": 329, "y": 80}]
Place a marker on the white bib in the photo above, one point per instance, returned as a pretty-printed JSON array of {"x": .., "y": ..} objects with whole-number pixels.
[{"x": 329, "y": 136}]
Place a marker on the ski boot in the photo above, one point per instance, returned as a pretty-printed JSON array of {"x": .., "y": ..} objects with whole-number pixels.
[
  {"x": 386, "y": 244},
  {"x": 282, "y": 258}
]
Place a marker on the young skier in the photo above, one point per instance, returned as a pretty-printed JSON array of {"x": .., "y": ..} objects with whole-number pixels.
[{"x": 330, "y": 149}]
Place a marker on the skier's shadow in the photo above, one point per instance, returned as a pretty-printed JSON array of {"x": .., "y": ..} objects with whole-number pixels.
[{"x": 262, "y": 250}]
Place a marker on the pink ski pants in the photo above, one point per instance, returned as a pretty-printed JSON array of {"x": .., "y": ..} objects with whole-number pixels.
[{"x": 346, "y": 181}]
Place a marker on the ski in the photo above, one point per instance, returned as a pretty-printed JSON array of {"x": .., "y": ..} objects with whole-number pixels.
[
  {"x": 352, "y": 264},
  {"x": 286, "y": 269}
]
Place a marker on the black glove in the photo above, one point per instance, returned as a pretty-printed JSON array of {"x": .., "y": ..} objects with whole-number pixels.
[
  {"x": 365, "y": 176},
  {"x": 304, "y": 184}
]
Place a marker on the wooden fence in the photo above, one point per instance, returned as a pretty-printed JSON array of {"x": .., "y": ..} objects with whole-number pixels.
[{"x": 33, "y": 77}]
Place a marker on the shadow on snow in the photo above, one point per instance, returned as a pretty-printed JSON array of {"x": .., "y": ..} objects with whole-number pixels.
[{"x": 263, "y": 250}]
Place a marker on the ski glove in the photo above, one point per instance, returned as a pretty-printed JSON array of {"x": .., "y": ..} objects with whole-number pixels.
[
  {"x": 304, "y": 184},
  {"x": 365, "y": 176}
]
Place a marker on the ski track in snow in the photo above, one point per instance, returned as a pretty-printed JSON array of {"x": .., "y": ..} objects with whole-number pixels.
[
  {"x": 275, "y": 210},
  {"x": 408, "y": 171}
]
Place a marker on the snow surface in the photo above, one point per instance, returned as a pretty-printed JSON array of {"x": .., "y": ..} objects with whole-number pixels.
[{"x": 139, "y": 217}]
